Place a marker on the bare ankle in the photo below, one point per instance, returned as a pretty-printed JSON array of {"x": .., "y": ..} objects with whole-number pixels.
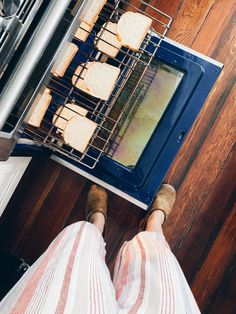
[
  {"x": 98, "y": 220},
  {"x": 155, "y": 221}
]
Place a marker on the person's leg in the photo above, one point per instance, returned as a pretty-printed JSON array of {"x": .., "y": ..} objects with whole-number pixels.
[
  {"x": 147, "y": 277},
  {"x": 70, "y": 277}
]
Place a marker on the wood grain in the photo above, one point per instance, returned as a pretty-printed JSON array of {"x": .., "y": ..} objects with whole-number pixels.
[
  {"x": 203, "y": 173},
  {"x": 54, "y": 211},
  {"x": 168, "y": 7},
  {"x": 216, "y": 100},
  {"x": 217, "y": 262},
  {"x": 209, "y": 220},
  {"x": 224, "y": 297},
  {"x": 189, "y": 20},
  {"x": 217, "y": 25},
  {"x": 26, "y": 202}
]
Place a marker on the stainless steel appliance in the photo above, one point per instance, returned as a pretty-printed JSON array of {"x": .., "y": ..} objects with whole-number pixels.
[{"x": 158, "y": 94}]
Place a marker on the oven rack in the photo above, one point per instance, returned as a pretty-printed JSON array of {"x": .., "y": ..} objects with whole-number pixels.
[
  {"x": 109, "y": 120},
  {"x": 134, "y": 104}
]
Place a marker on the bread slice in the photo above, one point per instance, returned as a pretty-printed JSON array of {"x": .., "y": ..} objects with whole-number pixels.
[
  {"x": 81, "y": 72},
  {"x": 65, "y": 113},
  {"x": 107, "y": 41},
  {"x": 78, "y": 132},
  {"x": 65, "y": 60},
  {"x": 93, "y": 11},
  {"x": 100, "y": 79},
  {"x": 89, "y": 19},
  {"x": 83, "y": 31},
  {"x": 40, "y": 109},
  {"x": 132, "y": 29}
]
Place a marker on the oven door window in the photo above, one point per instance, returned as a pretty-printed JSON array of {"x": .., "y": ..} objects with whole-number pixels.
[{"x": 144, "y": 102}]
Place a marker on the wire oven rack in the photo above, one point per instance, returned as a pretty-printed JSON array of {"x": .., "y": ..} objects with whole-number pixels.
[{"x": 133, "y": 66}]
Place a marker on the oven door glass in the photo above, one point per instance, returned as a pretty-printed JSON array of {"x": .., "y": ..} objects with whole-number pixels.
[
  {"x": 148, "y": 103},
  {"x": 153, "y": 110}
]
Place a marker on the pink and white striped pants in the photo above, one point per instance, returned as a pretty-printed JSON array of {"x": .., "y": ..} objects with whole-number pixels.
[{"x": 72, "y": 277}]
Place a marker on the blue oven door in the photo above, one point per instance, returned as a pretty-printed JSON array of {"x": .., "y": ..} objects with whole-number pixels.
[{"x": 164, "y": 107}]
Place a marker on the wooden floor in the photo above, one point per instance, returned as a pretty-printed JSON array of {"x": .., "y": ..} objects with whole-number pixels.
[{"x": 201, "y": 229}]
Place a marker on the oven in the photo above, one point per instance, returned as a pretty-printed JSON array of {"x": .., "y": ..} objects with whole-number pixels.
[{"x": 137, "y": 130}]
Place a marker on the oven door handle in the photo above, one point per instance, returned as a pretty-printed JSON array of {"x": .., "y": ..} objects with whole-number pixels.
[{"x": 29, "y": 60}]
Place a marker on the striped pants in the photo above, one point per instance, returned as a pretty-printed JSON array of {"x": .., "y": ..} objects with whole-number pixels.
[{"x": 72, "y": 277}]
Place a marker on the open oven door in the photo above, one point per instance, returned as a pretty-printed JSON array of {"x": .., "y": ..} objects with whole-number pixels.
[{"x": 143, "y": 149}]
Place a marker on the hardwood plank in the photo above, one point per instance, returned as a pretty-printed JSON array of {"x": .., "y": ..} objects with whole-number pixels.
[
  {"x": 170, "y": 8},
  {"x": 25, "y": 204},
  {"x": 189, "y": 20},
  {"x": 78, "y": 211},
  {"x": 203, "y": 173},
  {"x": 225, "y": 296},
  {"x": 122, "y": 225},
  {"x": 217, "y": 262},
  {"x": 54, "y": 211},
  {"x": 211, "y": 109},
  {"x": 218, "y": 25},
  {"x": 213, "y": 213}
]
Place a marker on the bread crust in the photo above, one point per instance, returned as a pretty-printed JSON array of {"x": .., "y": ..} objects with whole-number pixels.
[
  {"x": 65, "y": 60},
  {"x": 65, "y": 113},
  {"x": 80, "y": 83},
  {"x": 107, "y": 41},
  {"x": 132, "y": 29},
  {"x": 40, "y": 109},
  {"x": 78, "y": 132},
  {"x": 89, "y": 19}
]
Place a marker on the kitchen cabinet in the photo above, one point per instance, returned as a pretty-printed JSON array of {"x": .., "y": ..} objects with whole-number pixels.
[{"x": 11, "y": 172}]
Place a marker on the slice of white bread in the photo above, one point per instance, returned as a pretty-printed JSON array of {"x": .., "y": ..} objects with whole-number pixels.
[
  {"x": 95, "y": 8},
  {"x": 132, "y": 29},
  {"x": 107, "y": 41},
  {"x": 65, "y": 60},
  {"x": 40, "y": 109},
  {"x": 81, "y": 72},
  {"x": 100, "y": 78},
  {"x": 65, "y": 113},
  {"x": 83, "y": 31},
  {"x": 89, "y": 19},
  {"x": 78, "y": 132}
]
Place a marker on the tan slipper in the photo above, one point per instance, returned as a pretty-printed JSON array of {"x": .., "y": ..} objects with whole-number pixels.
[
  {"x": 96, "y": 201},
  {"x": 164, "y": 201}
]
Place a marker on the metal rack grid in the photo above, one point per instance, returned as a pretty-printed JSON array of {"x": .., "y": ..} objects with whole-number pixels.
[
  {"x": 98, "y": 110},
  {"x": 133, "y": 105}
]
